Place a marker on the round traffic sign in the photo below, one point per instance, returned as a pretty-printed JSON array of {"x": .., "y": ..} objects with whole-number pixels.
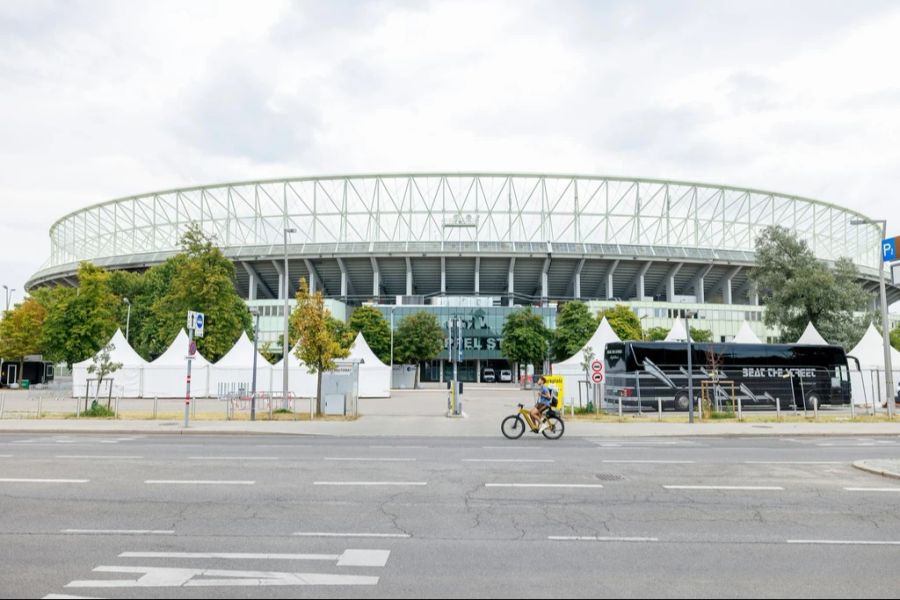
[
  {"x": 192, "y": 348},
  {"x": 198, "y": 321},
  {"x": 597, "y": 365},
  {"x": 597, "y": 377}
]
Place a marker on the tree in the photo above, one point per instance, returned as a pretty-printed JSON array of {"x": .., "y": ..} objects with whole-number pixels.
[
  {"x": 525, "y": 338},
  {"x": 624, "y": 322},
  {"x": 316, "y": 345},
  {"x": 895, "y": 337},
  {"x": 80, "y": 321},
  {"x": 201, "y": 278},
  {"x": 798, "y": 289},
  {"x": 102, "y": 365},
  {"x": 701, "y": 335},
  {"x": 369, "y": 321},
  {"x": 574, "y": 327},
  {"x": 657, "y": 334},
  {"x": 20, "y": 331},
  {"x": 341, "y": 333},
  {"x": 419, "y": 338}
]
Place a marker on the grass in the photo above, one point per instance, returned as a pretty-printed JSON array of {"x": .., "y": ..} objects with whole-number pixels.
[{"x": 786, "y": 417}]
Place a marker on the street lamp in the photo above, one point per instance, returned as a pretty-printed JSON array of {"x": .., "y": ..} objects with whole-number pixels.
[
  {"x": 8, "y": 295},
  {"x": 393, "y": 306},
  {"x": 285, "y": 341},
  {"x": 128, "y": 319},
  {"x": 255, "y": 312},
  {"x": 689, "y": 314},
  {"x": 885, "y": 321}
]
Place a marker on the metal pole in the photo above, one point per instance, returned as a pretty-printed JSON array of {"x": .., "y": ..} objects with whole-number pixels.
[
  {"x": 690, "y": 368},
  {"x": 285, "y": 346},
  {"x": 128, "y": 320},
  {"x": 886, "y": 335},
  {"x": 392, "y": 344},
  {"x": 187, "y": 396},
  {"x": 253, "y": 384}
]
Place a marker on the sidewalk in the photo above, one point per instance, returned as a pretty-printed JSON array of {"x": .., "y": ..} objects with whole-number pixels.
[{"x": 886, "y": 467}]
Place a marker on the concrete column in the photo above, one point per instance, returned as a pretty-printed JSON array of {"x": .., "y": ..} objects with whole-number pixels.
[
  {"x": 343, "y": 283},
  {"x": 478, "y": 370},
  {"x": 477, "y": 275},
  {"x": 511, "y": 283},
  {"x": 443, "y": 277},
  {"x": 312, "y": 281},
  {"x": 545, "y": 286},
  {"x": 641, "y": 288},
  {"x": 251, "y": 287},
  {"x": 376, "y": 287},
  {"x": 577, "y": 289},
  {"x": 726, "y": 291},
  {"x": 441, "y": 376},
  {"x": 409, "y": 283},
  {"x": 670, "y": 288}
]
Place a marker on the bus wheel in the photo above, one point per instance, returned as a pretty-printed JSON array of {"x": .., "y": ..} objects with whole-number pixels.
[
  {"x": 682, "y": 401},
  {"x": 812, "y": 401}
]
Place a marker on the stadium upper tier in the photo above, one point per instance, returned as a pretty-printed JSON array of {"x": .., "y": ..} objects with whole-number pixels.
[{"x": 522, "y": 235}]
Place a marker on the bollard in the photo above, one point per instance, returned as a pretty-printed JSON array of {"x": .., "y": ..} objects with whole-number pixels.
[
  {"x": 740, "y": 409},
  {"x": 700, "y": 409},
  {"x": 659, "y": 407},
  {"x": 116, "y": 409},
  {"x": 40, "y": 405},
  {"x": 815, "y": 408},
  {"x": 852, "y": 411},
  {"x": 155, "y": 407},
  {"x": 777, "y": 409},
  {"x": 77, "y": 406},
  {"x": 194, "y": 408},
  {"x": 2, "y": 402},
  {"x": 620, "y": 407}
]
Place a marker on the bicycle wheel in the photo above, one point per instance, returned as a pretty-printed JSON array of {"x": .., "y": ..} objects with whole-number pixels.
[
  {"x": 512, "y": 427},
  {"x": 555, "y": 428}
]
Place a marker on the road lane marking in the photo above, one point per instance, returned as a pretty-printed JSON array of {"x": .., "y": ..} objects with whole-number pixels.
[
  {"x": 545, "y": 485},
  {"x": 590, "y": 538},
  {"x": 172, "y": 577},
  {"x": 118, "y": 531},
  {"x": 845, "y": 542},
  {"x": 793, "y": 462},
  {"x": 863, "y": 489},
  {"x": 371, "y": 483},
  {"x": 349, "y": 558},
  {"x": 351, "y": 535},
  {"x": 13, "y": 480},
  {"x": 509, "y": 460},
  {"x": 69, "y": 597},
  {"x": 405, "y": 447},
  {"x": 368, "y": 459},
  {"x": 748, "y": 488},
  {"x": 652, "y": 462},
  {"x": 234, "y": 458},
  {"x": 196, "y": 482},
  {"x": 97, "y": 456}
]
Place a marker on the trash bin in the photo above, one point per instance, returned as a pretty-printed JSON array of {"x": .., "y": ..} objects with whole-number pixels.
[{"x": 25, "y": 384}]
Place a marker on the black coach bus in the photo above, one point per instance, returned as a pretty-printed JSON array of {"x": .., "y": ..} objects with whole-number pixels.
[{"x": 641, "y": 372}]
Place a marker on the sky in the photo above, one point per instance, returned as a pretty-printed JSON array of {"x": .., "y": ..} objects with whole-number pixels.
[{"x": 108, "y": 99}]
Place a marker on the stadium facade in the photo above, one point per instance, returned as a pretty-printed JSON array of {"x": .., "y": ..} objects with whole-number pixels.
[{"x": 475, "y": 245}]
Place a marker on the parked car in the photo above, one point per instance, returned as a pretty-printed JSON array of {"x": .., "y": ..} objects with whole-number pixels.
[
  {"x": 487, "y": 376},
  {"x": 505, "y": 376}
]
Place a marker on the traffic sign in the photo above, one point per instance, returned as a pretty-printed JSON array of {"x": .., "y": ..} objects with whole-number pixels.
[
  {"x": 596, "y": 365},
  {"x": 889, "y": 249},
  {"x": 192, "y": 348},
  {"x": 196, "y": 322},
  {"x": 597, "y": 377}
]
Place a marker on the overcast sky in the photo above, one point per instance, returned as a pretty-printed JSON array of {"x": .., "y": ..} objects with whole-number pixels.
[{"x": 105, "y": 99}]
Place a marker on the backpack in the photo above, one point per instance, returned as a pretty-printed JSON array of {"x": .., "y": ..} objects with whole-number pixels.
[{"x": 554, "y": 397}]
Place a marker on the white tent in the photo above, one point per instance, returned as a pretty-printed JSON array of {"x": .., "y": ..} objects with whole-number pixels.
[
  {"x": 235, "y": 369},
  {"x": 812, "y": 337},
  {"x": 300, "y": 381},
  {"x": 165, "y": 376},
  {"x": 374, "y": 375},
  {"x": 127, "y": 382},
  {"x": 746, "y": 335},
  {"x": 571, "y": 370},
  {"x": 869, "y": 384},
  {"x": 677, "y": 333}
]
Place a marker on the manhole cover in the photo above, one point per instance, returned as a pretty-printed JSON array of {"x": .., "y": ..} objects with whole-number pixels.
[{"x": 609, "y": 477}]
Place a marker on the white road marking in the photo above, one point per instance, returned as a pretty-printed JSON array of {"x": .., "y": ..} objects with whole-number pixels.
[
  {"x": 793, "y": 462},
  {"x": 511, "y": 448},
  {"x": 6, "y": 455},
  {"x": 406, "y": 447},
  {"x": 545, "y": 485},
  {"x": 351, "y": 535},
  {"x": 363, "y": 558},
  {"x": 230, "y": 555},
  {"x": 862, "y": 489},
  {"x": 509, "y": 460},
  {"x": 119, "y": 531},
  {"x": 169, "y": 577},
  {"x": 652, "y": 462},
  {"x": 69, "y": 597},
  {"x": 234, "y": 458},
  {"x": 590, "y": 538},
  {"x": 196, "y": 482},
  {"x": 97, "y": 456},
  {"x": 44, "y": 480},
  {"x": 368, "y": 459},
  {"x": 748, "y": 488},
  {"x": 844, "y": 542},
  {"x": 371, "y": 483}
]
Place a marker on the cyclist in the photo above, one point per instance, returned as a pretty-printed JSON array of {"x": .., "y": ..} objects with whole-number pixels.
[{"x": 545, "y": 399}]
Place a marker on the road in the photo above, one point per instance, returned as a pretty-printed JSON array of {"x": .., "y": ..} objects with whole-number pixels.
[{"x": 288, "y": 516}]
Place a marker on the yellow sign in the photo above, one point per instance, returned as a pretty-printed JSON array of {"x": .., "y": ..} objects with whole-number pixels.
[{"x": 557, "y": 382}]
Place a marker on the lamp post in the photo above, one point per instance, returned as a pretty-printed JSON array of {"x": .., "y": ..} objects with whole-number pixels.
[
  {"x": 393, "y": 306},
  {"x": 688, "y": 315},
  {"x": 127, "y": 319},
  {"x": 885, "y": 322},
  {"x": 8, "y": 295},
  {"x": 285, "y": 346},
  {"x": 255, "y": 313}
]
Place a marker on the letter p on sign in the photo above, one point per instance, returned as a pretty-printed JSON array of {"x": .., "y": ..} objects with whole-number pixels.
[{"x": 889, "y": 249}]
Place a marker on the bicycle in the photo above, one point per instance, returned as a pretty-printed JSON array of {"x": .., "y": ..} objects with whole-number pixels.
[{"x": 514, "y": 426}]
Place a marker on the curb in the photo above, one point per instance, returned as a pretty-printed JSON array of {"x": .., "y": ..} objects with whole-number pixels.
[{"x": 862, "y": 466}]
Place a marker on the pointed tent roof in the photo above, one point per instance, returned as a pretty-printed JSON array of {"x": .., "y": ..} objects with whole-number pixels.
[
  {"x": 746, "y": 335},
  {"x": 294, "y": 362},
  {"x": 870, "y": 351},
  {"x": 677, "y": 333},
  {"x": 241, "y": 355},
  {"x": 602, "y": 336},
  {"x": 174, "y": 356},
  {"x": 812, "y": 337},
  {"x": 360, "y": 350},
  {"x": 122, "y": 352}
]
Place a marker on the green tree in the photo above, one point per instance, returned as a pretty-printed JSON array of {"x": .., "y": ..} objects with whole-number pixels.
[
  {"x": 341, "y": 333},
  {"x": 81, "y": 321},
  {"x": 316, "y": 346},
  {"x": 623, "y": 321},
  {"x": 657, "y": 334},
  {"x": 20, "y": 331},
  {"x": 201, "y": 278},
  {"x": 525, "y": 338},
  {"x": 419, "y": 338},
  {"x": 574, "y": 327},
  {"x": 799, "y": 289},
  {"x": 102, "y": 366},
  {"x": 369, "y": 321},
  {"x": 701, "y": 335}
]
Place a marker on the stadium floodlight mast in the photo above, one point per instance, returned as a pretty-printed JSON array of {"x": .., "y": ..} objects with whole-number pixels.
[
  {"x": 255, "y": 313},
  {"x": 285, "y": 346},
  {"x": 127, "y": 319},
  {"x": 885, "y": 321},
  {"x": 9, "y": 293}
]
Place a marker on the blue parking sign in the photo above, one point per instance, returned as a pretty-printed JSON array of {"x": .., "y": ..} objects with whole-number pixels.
[{"x": 889, "y": 249}]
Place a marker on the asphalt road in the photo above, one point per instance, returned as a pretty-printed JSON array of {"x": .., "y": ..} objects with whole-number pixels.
[{"x": 283, "y": 516}]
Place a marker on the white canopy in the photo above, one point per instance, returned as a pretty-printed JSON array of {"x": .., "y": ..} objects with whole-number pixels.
[
  {"x": 165, "y": 376},
  {"x": 300, "y": 381},
  {"x": 127, "y": 382},
  {"x": 870, "y": 351},
  {"x": 746, "y": 335},
  {"x": 812, "y": 337},
  {"x": 868, "y": 385},
  {"x": 235, "y": 369},
  {"x": 677, "y": 333},
  {"x": 571, "y": 369},
  {"x": 374, "y": 375}
]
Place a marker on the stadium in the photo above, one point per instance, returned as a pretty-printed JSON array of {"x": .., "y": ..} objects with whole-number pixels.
[{"x": 475, "y": 246}]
